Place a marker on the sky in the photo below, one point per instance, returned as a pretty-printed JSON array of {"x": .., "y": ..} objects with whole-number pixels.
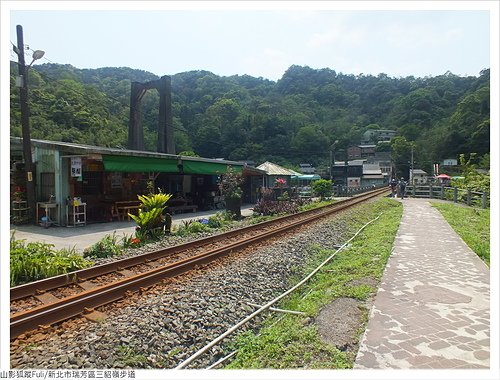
[{"x": 260, "y": 41}]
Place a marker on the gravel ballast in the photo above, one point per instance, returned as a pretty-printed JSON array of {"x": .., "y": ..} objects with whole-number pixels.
[{"x": 164, "y": 325}]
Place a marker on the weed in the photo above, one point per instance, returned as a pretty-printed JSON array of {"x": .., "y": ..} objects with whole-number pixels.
[
  {"x": 35, "y": 261},
  {"x": 284, "y": 341},
  {"x": 106, "y": 247},
  {"x": 193, "y": 227},
  {"x": 270, "y": 207},
  {"x": 130, "y": 358}
]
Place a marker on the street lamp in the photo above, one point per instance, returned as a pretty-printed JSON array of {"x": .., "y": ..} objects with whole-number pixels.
[
  {"x": 37, "y": 54},
  {"x": 25, "y": 122}
]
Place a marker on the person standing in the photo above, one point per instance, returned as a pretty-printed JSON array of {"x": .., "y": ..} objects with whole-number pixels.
[
  {"x": 402, "y": 187},
  {"x": 393, "y": 184}
]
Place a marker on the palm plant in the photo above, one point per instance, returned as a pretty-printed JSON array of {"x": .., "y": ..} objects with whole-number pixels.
[{"x": 151, "y": 215}]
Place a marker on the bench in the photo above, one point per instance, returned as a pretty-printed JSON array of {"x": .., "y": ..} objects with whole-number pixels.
[{"x": 123, "y": 208}]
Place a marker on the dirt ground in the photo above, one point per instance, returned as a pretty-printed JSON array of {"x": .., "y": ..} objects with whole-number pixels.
[{"x": 342, "y": 322}]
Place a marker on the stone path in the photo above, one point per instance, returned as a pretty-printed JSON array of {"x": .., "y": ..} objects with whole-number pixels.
[{"x": 432, "y": 309}]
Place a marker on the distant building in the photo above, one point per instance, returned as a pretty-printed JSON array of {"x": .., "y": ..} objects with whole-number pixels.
[
  {"x": 348, "y": 175},
  {"x": 273, "y": 172},
  {"x": 419, "y": 177},
  {"x": 383, "y": 159},
  {"x": 378, "y": 135},
  {"x": 360, "y": 151},
  {"x": 307, "y": 168},
  {"x": 372, "y": 175},
  {"x": 450, "y": 162}
]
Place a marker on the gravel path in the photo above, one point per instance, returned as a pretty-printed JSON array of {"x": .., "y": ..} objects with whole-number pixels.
[{"x": 166, "y": 324}]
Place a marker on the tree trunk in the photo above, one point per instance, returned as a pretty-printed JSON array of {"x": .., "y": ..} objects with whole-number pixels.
[{"x": 233, "y": 205}]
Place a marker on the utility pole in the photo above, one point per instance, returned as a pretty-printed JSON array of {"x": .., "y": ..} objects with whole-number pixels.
[
  {"x": 25, "y": 124},
  {"x": 331, "y": 164},
  {"x": 411, "y": 167}
]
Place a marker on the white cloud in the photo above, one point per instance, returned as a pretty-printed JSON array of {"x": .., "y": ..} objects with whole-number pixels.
[
  {"x": 338, "y": 35},
  {"x": 326, "y": 38},
  {"x": 269, "y": 63},
  {"x": 420, "y": 36}
]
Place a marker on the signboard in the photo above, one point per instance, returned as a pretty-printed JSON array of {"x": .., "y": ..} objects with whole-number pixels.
[
  {"x": 76, "y": 166},
  {"x": 116, "y": 180}
]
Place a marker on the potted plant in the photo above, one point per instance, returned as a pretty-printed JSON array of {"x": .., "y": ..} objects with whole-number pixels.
[
  {"x": 18, "y": 195},
  {"x": 230, "y": 189}
]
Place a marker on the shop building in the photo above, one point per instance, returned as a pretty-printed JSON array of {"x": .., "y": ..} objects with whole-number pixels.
[{"x": 100, "y": 177}]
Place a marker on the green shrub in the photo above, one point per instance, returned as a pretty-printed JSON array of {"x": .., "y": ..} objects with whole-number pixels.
[
  {"x": 267, "y": 207},
  {"x": 106, "y": 247},
  {"x": 220, "y": 219},
  {"x": 151, "y": 221},
  {"x": 153, "y": 201},
  {"x": 129, "y": 241},
  {"x": 35, "y": 261},
  {"x": 322, "y": 188},
  {"x": 190, "y": 227},
  {"x": 147, "y": 220}
]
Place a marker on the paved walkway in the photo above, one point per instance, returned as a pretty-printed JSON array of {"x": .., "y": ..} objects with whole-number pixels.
[
  {"x": 84, "y": 236},
  {"x": 432, "y": 307}
]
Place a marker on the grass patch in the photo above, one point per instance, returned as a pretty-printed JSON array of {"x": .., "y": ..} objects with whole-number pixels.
[
  {"x": 289, "y": 341},
  {"x": 129, "y": 358},
  {"x": 472, "y": 224},
  {"x": 36, "y": 261}
]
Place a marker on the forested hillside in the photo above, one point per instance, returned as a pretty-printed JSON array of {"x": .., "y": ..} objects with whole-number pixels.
[{"x": 293, "y": 120}]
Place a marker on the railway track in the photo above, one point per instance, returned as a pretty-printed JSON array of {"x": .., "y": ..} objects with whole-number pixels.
[{"x": 62, "y": 297}]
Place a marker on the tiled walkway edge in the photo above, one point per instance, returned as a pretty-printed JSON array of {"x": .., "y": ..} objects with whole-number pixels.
[{"x": 432, "y": 309}]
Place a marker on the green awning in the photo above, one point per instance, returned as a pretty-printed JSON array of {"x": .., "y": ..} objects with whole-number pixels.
[
  {"x": 139, "y": 164},
  {"x": 214, "y": 168},
  {"x": 164, "y": 165}
]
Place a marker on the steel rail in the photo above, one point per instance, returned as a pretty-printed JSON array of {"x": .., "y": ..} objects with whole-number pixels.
[
  {"x": 77, "y": 304},
  {"x": 35, "y": 287}
]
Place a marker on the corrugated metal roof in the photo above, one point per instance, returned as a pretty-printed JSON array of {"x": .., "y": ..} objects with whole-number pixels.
[
  {"x": 369, "y": 171},
  {"x": 371, "y": 166},
  {"x": 74, "y": 148},
  {"x": 307, "y": 176},
  {"x": 356, "y": 162},
  {"x": 274, "y": 169}
]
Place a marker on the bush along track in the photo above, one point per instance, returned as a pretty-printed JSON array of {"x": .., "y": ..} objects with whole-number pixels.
[{"x": 335, "y": 303}]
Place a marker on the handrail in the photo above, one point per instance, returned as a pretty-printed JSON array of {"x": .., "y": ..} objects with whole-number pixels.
[{"x": 455, "y": 194}]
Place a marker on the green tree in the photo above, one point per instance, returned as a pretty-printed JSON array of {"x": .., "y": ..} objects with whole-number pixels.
[
  {"x": 401, "y": 156},
  {"x": 322, "y": 188}
]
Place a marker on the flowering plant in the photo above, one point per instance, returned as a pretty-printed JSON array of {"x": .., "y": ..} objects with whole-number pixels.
[
  {"x": 280, "y": 182},
  {"x": 18, "y": 193}
]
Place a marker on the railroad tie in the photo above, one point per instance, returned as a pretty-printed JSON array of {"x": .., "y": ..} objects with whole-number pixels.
[
  {"x": 126, "y": 273},
  {"x": 94, "y": 315},
  {"x": 87, "y": 285},
  {"x": 46, "y": 298}
]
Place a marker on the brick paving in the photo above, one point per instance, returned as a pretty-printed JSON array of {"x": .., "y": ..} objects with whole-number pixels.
[{"x": 432, "y": 309}]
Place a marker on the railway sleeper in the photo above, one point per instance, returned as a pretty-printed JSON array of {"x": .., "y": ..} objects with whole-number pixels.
[{"x": 46, "y": 298}]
